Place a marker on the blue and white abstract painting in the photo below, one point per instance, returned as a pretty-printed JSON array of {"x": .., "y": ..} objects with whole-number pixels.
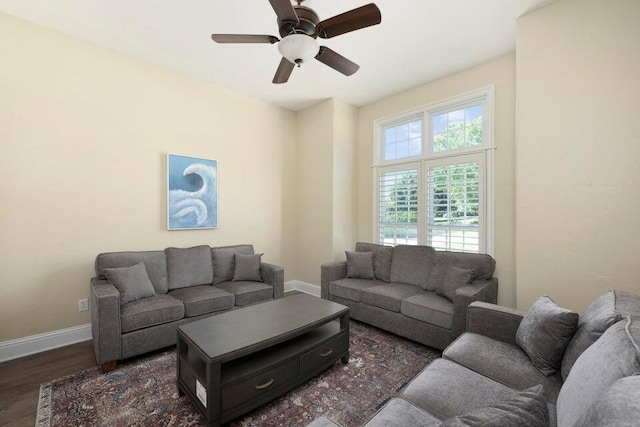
[{"x": 193, "y": 192}]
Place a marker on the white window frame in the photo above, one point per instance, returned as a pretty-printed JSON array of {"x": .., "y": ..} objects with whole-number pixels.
[
  {"x": 376, "y": 190},
  {"x": 485, "y": 96}
]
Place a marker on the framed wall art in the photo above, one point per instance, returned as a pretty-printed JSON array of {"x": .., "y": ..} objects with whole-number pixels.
[{"x": 192, "y": 193}]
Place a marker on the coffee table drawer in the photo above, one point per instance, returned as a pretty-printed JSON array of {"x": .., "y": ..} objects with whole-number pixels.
[
  {"x": 258, "y": 385},
  {"x": 324, "y": 353}
]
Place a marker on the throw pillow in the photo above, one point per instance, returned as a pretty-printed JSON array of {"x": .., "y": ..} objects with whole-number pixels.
[
  {"x": 247, "y": 267},
  {"x": 597, "y": 318},
  {"x": 545, "y": 332},
  {"x": 360, "y": 265},
  {"x": 132, "y": 282},
  {"x": 189, "y": 266},
  {"x": 454, "y": 279},
  {"x": 527, "y": 408},
  {"x": 224, "y": 261}
]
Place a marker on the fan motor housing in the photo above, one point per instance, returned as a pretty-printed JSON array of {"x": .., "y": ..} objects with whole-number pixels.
[{"x": 308, "y": 19}]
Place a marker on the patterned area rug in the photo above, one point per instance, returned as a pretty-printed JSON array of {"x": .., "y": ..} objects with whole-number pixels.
[{"x": 142, "y": 391}]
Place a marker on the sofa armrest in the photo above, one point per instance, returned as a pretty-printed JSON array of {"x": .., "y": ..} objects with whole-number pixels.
[
  {"x": 105, "y": 321},
  {"x": 273, "y": 275},
  {"x": 328, "y": 273},
  {"x": 480, "y": 290},
  {"x": 494, "y": 321}
]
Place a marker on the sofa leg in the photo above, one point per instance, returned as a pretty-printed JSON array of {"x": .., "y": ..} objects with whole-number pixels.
[{"x": 109, "y": 366}]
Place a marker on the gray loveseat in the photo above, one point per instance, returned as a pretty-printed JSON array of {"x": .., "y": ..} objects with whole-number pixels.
[
  {"x": 598, "y": 384},
  {"x": 404, "y": 296},
  {"x": 188, "y": 284}
]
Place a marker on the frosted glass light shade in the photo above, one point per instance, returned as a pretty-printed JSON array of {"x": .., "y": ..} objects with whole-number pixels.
[{"x": 298, "y": 48}]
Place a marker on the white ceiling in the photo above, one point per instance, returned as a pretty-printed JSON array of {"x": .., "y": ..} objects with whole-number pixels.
[{"x": 417, "y": 41}]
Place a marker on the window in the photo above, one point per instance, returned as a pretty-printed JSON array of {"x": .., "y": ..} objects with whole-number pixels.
[
  {"x": 403, "y": 140},
  {"x": 398, "y": 207},
  {"x": 437, "y": 193}
]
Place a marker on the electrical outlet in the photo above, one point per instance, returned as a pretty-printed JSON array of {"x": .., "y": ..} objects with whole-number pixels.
[{"x": 83, "y": 305}]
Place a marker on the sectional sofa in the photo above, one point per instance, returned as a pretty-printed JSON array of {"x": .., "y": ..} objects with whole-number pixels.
[
  {"x": 411, "y": 292},
  {"x": 485, "y": 378},
  {"x": 130, "y": 316}
]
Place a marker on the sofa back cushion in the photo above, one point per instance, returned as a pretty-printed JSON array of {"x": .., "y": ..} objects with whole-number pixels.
[
  {"x": 483, "y": 266},
  {"x": 593, "y": 322},
  {"x": 382, "y": 256},
  {"x": 155, "y": 263},
  {"x": 412, "y": 264},
  {"x": 613, "y": 356},
  {"x": 224, "y": 261},
  {"x": 617, "y": 406},
  {"x": 189, "y": 266}
]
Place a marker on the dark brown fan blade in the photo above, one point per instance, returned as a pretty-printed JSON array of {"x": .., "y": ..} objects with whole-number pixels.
[
  {"x": 283, "y": 72},
  {"x": 244, "y": 38},
  {"x": 355, "y": 19},
  {"x": 285, "y": 11},
  {"x": 336, "y": 61}
]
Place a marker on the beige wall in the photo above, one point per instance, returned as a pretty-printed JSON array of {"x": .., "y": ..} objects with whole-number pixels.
[
  {"x": 578, "y": 180},
  {"x": 501, "y": 73},
  {"x": 344, "y": 178},
  {"x": 83, "y": 136},
  {"x": 314, "y": 191},
  {"x": 325, "y": 179}
]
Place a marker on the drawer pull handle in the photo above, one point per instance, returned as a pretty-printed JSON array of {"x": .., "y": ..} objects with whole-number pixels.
[
  {"x": 265, "y": 385},
  {"x": 327, "y": 353}
]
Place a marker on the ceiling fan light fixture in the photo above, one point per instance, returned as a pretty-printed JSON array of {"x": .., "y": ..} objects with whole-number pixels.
[{"x": 298, "y": 48}]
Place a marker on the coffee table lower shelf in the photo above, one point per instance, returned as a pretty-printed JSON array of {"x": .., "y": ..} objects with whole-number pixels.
[{"x": 225, "y": 390}]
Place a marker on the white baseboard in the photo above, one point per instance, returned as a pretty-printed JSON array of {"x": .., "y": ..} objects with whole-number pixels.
[
  {"x": 298, "y": 285},
  {"x": 21, "y": 347}
]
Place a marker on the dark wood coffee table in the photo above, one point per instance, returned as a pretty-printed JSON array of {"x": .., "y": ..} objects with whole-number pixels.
[{"x": 234, "y": 362}]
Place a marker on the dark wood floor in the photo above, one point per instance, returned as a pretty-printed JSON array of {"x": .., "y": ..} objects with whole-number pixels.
[{"x": 20, "y": 379}]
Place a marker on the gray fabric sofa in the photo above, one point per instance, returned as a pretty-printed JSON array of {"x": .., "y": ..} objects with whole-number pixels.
[
  {"x": 403, "y": 296},
  {"x": 598, "y": 385},
  {"x": 189, "y": 284}
]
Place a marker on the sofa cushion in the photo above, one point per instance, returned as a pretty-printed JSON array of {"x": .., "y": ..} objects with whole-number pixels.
[
  {"x": 389, "y": 296},
  {"x": 155, "y": 263},
  {"x": 132, "y": 282},
  {"x": 412, "y": 265},
  {"x": 482, "y": 265},
  {"x": 455, "y": 278},
  {"x": 617, "y": 406},
  {"x": 189, "y": 266},
  {"x": 501, "y": 362},
  {"x": 545, "y": 332},
  {"x": 350, "y": 288},
  {"x": 400, "y": 413},
  {"x": 152, "y": 311},
  {"x": 359, "y": 265},
  {"x": 446, "y": 389},
  {"x": 525, "y": 409},
  {"x": 203, "y": 299},
  {"x": 596, "y": 319},
  {"x": 382, "y": 256},
  {"x": 247, "y": 267},
  {"x": 615, "y": 355},
  {"x": 430, "y": 308},
  {"x": 224, "y": 261},
  {"x": 248, "y": 292}
]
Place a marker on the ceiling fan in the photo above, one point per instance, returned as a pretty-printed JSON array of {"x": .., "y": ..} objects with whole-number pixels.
[{"x": 299, "y": 27}]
